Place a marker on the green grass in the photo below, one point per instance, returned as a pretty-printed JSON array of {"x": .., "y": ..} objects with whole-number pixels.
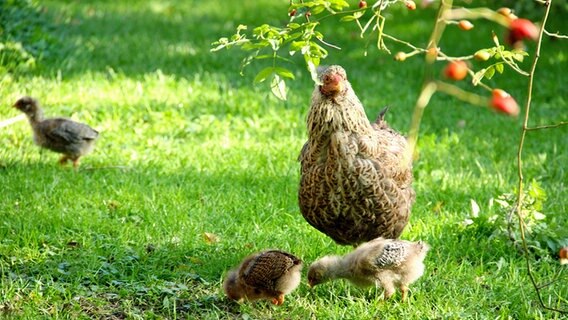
[{"x": 189, "y": 146}]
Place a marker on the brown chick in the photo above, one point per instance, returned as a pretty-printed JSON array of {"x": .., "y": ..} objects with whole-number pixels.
[
  {"x": 356, "y": 180},
  {"x": 268, "y": 275},
  {"x": 65, "y": 136},
  {"x": 385, "y": 263}
]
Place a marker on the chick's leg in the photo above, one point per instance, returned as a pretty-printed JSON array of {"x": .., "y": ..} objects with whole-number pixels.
[
  {"x": 404, "y": 291},
  {"x": 278, "y": 300},
  {"x": 388, "y": 286}
]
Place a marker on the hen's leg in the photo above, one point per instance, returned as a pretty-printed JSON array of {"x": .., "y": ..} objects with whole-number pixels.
[
  {"x": 76, "y": 163},
  {"x": 63, "y": 159}
]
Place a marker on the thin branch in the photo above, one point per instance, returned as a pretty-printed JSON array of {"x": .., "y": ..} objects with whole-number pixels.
[
  {"x": 461, "y": 94},
  {"x": 428, "y": 86},
  {"x": 328, "y": 44},
  {"x": 550, "y": 126},
  {"x": 477, "y": 13},
  {"x": 555, "y": 35},
  {"x": 13, "y": 120},
  {"x": 520, "y": 166}
]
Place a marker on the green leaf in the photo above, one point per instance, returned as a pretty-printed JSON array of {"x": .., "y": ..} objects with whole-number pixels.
[
  {"x": 263, "y": 74},
  {"x": 317, "y": 9},
  {"x": 248, "y": 46},
  {"x": 264, "y": 56},
  {"x": 283, "y": 72},
  {"x": 293, "y": 25},
  {"x": 359, "y": 14},
  {"x": 490, "y": 72},
  {"x": 278, "y": 87},
  {"x": 347, "y": 18},
  {"x": 519, "y": 55},
  {"x": 500, "y": 67},
  {"x": 312, "y": 64},
  {"x": 297, "y": 45}
]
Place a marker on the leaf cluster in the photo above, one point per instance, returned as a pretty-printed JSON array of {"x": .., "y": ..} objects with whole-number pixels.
[
  {"x": 299, "y": 36},
  {"x": 501, "y": 220}
]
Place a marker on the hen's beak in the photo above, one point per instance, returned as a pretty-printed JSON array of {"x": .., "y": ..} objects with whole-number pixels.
[{"x": 332, "y": 85}]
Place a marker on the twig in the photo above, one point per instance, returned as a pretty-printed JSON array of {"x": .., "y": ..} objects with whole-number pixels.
[
  {"x": 544, "y": 285},
  {"x": 463, "y": 13},
  {"x": 555, "y": 35},
  {"x": 520, "y": 166},
  {"x": 549, "y": 126},
  {"x": 13, "y": 120},
  {"x": 461, "y": 94}
]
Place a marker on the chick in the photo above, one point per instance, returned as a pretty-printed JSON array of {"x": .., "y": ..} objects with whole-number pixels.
[
  {"x": 65, "y": 136},
  {"x": 387, "y": 263},
  {"x": 267, "y": 275}
]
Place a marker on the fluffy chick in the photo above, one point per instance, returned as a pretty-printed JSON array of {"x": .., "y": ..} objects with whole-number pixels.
[
  {"x": 72, "y": 139},
  {"x": 270, "y": 274},
  {"x": 387, "y": 263}
]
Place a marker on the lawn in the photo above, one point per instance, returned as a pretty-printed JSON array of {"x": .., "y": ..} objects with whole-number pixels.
[{"x": 196, "y": 167}]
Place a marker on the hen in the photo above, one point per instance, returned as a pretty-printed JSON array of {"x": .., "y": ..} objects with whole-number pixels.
[
  {"x": 356, "y": 183},
  {"x": 381, "y": 262},
  {"x": 65, "y": 136},
  {"x": 269, "y": 275}
]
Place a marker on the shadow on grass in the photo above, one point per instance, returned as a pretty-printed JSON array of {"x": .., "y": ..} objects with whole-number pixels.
[{"x": 139, "y": 38}]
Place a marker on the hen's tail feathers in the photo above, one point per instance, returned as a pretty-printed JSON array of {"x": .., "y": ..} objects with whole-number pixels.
[{"x": 381, "y": 116}]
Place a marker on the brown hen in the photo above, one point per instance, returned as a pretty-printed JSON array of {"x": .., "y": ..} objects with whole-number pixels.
[
  {"x": 356, "y": 183},
  {"x": 268, "y": 275},
  {"x": 72, "y": 139}
]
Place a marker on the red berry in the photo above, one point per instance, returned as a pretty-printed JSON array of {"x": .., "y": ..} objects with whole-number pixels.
[
  {"x": 292, "y": 13},
  {"x": 502, "y": 102},
  {"x": 521, "y": 29},
  {"x": 411, "y": 5},
  {"x": 456, "y": 70},
  {"x": 465, "y": 25},
  {"x": 362, "y": 4}
]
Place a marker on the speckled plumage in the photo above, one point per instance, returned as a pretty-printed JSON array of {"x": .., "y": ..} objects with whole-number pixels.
[
  {"x": 356, "y": 183},
  {"x": 72, "y": 139},
  {"x": 269, "y": 274},
  {"x": 387, "y": 263}
]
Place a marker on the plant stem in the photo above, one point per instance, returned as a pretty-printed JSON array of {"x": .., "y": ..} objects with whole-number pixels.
[
  {"x": 428, "y": 86},
  {"x": 520, "y": 165}
]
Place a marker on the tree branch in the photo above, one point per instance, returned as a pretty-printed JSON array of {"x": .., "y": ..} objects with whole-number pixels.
[
  {"x": 520, "y": 166},
  {"x": 549, "y": 126}
]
